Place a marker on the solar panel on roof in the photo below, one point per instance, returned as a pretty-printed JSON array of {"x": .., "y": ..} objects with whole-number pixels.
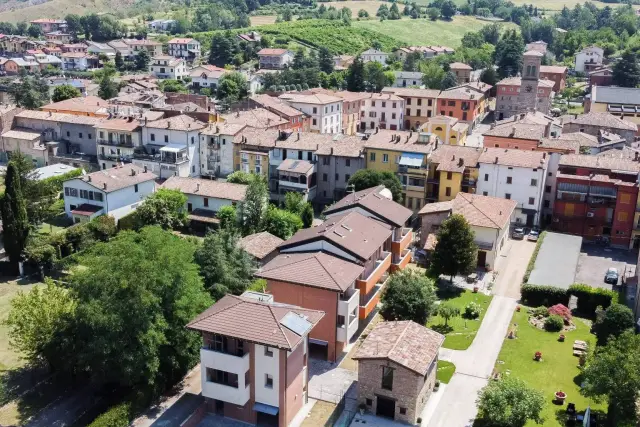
[
  {"x": 296, "y": 323},
  {"x": 294, "y": 164}
]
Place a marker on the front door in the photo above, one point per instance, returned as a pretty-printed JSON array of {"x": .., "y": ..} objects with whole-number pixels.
[
  {"x": 530, "y": 218},
  {"x": 385, "y": 407},
  {"x": 482, "y": 259}
]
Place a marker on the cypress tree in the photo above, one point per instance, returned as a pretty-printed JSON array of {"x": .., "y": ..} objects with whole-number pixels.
[{"x": 14, "y": 216}]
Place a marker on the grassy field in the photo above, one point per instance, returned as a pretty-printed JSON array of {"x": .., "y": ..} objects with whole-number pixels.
[
  {"x": 257, "y": 21},
  {"x": 459, "y": 332},
  {"x": 445, "y": 371},
  {"x": 424, "y": 32},
  {"x": 558, "y": 369},
  {"x": 355, "y": 6},
  {"x": 60, "y": 8}
]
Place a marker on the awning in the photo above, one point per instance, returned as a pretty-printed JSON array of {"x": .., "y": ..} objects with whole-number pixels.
[
  {"x": 317, "y": 342},
  {"x": 485, "y": 246},
  {"x": 86, "y": 209},
  {"x": 527, "y": 211},
  {"x": 204, "y": 215},
  {"x": 411, "y": 159},
  {"x": 265, "y": 409},
  {"x": 173, "y": 148}
]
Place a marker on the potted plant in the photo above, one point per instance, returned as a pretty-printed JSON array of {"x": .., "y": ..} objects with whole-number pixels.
[
  {"x": 475, "y": 289},
  {"x": 537, "y": 356},
  {"x": 561, "y": 396},
  {"x": 518, "y": 308},
  {"x": 583, "y": 359},
  {"x": 436, "y": 386},
  {"x": 561, "y": 338},
  {"x": 362, "y": 407}
]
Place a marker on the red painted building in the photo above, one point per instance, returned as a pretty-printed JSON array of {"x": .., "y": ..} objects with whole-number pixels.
[{"x": 596, "y": 197}]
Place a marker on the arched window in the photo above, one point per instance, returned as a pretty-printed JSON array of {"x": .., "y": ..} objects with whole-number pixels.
[{"x": 439, "y": 128}]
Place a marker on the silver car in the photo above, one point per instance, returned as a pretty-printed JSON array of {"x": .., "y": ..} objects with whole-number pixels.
[{"x": 533, "y": 236}]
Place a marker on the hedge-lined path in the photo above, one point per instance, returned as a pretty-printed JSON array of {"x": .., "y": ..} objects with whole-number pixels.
[{"x": 457, "y": 407}]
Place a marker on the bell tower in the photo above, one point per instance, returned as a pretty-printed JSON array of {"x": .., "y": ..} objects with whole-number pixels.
[{"x": 528, "y": 97}]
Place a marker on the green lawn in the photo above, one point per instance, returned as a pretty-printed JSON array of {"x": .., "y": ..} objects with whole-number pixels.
[
  {"x": 558, "y": 369},
  {"x": 417, "y": 32},
  {"x": 460, "y": 331},
  {"x": 445, "y": 371}
]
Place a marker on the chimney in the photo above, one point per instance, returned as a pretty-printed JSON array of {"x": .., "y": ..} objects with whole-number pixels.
[
  {"x": 496, "y": 160},
  {"x": 332, "y": 152},
  {"x": 298, "y": 136},
  {"x": 436, "y": 147},
  {"x": 636, "y": 156},
  {"x": 197, "y": 187},
  {"x": 145, "y": 169},
  {"x": 89, "y": 176},
  {"x": 515, "y": 118},
  {"x": 104, "y": 185},
  {"x": 133, "y": 172},
  {"x": 513, "y": 130},
  {"x": 544, "y": 155},
  {"x": 376, "y": 129}
]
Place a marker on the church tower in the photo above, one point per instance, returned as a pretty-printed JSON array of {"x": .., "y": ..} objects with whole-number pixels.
[{"x": 528, "y": 97}]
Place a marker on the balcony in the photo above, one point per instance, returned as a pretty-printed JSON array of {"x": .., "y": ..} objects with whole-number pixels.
[
  {"x": 402, "y": 261},
  {"x": 115, "y": 157},
  {"x": 238, "y": 365},
  {"x": 370, "y": 301},
  {"x": 468, "y": 182},
  {"x": 401, "y": 239},
  {"x": 381, "y": 267},
  {"x": 116, "y": 143}
]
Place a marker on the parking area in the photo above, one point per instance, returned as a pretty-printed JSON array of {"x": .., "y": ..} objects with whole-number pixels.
[
  {"x": 557, "y": 261},
  {"x": 594, "y": 260}
]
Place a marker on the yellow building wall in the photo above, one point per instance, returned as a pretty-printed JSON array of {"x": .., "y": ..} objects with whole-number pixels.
[
  {"x": 378, "y": 164},
  {"x": 455, "y": 184}
]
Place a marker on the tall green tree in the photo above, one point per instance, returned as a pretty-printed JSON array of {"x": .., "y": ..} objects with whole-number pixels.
[
  {"x": 433, "y": 74},
  {"x": 617, "y": 319},
  {"x": 508, "y": 53},
  {"x": 307, "y": 216},
  {"x": 222, "y": 50},
  {"x": 367, "y": 178},
  {"x": 375, "y": 76},
  {"x": 118, "y": 61},
  {"x": 325, "y": 60},
  {"x": 356, "y": 76},
  {"x": 64, "y": 92},
  {"x": 281, "y": 223},
  {"x": 408, "y": 295},
  {"x": 165, "y": 208},
  {"x": 612, "y": 374},
  {"x": 34, "y": 31},
  {"x": 448, "y": 9},
  {"x": 15, "y": 223},
  {"x": 626, "y": 72},
  {"x": 510, "y": 402},
  {"x": 456, "y": 251},
  {"x": 142, "y": 60},
  {"x": 29, "y": 92},
  {"x": 449, "y": 80},
  {"x": 252, "y": 210}
]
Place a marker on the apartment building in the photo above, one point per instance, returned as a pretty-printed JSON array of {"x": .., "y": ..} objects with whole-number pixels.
[
  {"x": 252, "y": 152},
  {"x": 452, "y": 169},
  {"x": 100, "y": 48},
  {"x": 517, "y": 175},
  {"x": 185, "y": 48},
  {"x": 48, "y": 25},
  {"x": 168, "y": 67},
  {"x": 259, "y": 118},
  {"x": 408, "y": 79},
  {"x": 338, "y": 267},
  {"x": 58, "y": 36},
  {"x": 462, "y": 72},
  {"x": 216, "y": 146},
  {"x": 296, "y": 176},
  {"x": 254, "y": 358},
  {"x": 325, "y": 111},
  {"x": 274, "y": 59},
  {"x": 405, "y": 154},
  {"x": 352, "y": 105},
  {"x": 337, "y": 162},
  {"x": 115, "y": 192},
  {"x": 596, "y": 197},
  {"x": 601, "y": 77},
  {"x": 420, "y": 105},
  {"x": 464, "y": 103},
  {"x": 153, "y": 47},
  {"x": 375, "y": 55},
  {"x": 171, "y": 146},
  {"x": 382, "y": 110},
  {"x": 117, "y": 140},
  {"x": 557, "y": 74},
  {"x": 91, "y": 106},
  {"x": 78, "y": 61},
  {"x": 523, "y": 131},
  {"x": 377, "y": 203}
]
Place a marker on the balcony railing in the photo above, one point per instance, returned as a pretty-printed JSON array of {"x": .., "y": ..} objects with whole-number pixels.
[
  {"x": 381, "y": 267},
  {"x": 115, "y": 143},
  {"x": 401, "y": 261},
  {"x": 370, "y": 301},
  {"x": 401, "y": 240}
]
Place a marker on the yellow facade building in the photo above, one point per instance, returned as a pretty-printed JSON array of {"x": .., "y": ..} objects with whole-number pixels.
[
  {"x": 452, "y": 169},
  {"x": 448, "y": 129}
]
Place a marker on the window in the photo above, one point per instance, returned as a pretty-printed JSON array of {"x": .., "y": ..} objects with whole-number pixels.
[
  {"x": 346, "y": 177},
  {"x": 387, "y": 378},
  {"x": 384, "y": 104},
  {"x": 153, "y": 136},
  {"x": 80, "y": 135},
  {"x": 408, "y": 112},
  {"x": 166, "y": 138},
  {"x": 451, "y": 103},
  {"x": 622, "y": 216},
  {"x": 68, "y": 134},
  {"x": 385, "y": 158},
  {"x": 547, "y": 204},
  {"x": 419, "y": 101},
  {"x": 410, "y": 203},
  {"x": 486, "y": 177},
  {"x": 509, "y": 180},
  {"x": 403, "y": 411},
  {"x": 89, "y": 135},
  {"x": 268, "y": 381},
  {"x": 532, "y": 201},
  {"x": 268, "y": 352},
  {"x": 372, "y": 157},
  {"x": 368, "y": 402},
  {"x": 534, "y": 182},
  {"x": 507, "y": 196},
  {"x": 315, "y": 122},
  {"x": 337, "y": 177},
  {"x": 325, "y": 160},
  {"x": 447, "y": 191},
  {"x": 206, "y": 202},
  {"x": 135, "y": 188},
  {"x": 101, "y": 134},
  {"x": 408, "y": 101},
  {"x": 549, "y": 174},
  {"x": 419, "y": 112},
  {"x": 429, "y": 102},
  {"x": 348, "y": 162},
  {"x": 485, "y": 193},
  {"x": 192, "y": 141},
  {"x": 315, "y": 110},
  {"x": 449, "y": 175}
]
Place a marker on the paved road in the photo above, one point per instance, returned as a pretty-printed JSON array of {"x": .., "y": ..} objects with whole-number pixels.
[{"x": 457, "y": 406}]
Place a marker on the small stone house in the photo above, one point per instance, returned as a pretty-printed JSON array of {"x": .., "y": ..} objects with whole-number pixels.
[{"x": 397, "y": 365}]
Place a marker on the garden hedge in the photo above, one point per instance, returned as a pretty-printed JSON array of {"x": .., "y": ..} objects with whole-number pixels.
[
  {"x": 116, "y": 416},
  {"x": 590, "y": 298},
  {"x": 537, "y": 295}
]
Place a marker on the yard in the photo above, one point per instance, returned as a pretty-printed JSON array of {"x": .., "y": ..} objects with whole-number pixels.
[
  {"x": 459, "y": 330},
  {"x": 558, "y": 369},
  {"x": 424, "y": 32},
  {"x": 445, "y": 371}
]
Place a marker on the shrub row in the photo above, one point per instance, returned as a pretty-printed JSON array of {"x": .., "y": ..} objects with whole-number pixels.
[
  {"x": 588, "y": 298},
  {"x": 116, "y": 416},
  {"x": 534, "y": 255}
]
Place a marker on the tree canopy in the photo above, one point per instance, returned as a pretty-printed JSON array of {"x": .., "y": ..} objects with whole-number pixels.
[
  {"x": 617, "y": 319},
  {"x": 408, "y": 295},
  {"x": 165, "y": 208},
  {"x": 510, "y": 402},
  {"x": 64, "y": 92},
  {"x": 456, "y": 251},
  {"x": 14, "y": 215},
  {"x": 367, "y": 178}
]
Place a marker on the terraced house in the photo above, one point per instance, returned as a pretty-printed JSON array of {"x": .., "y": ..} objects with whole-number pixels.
[{"x": 452, "y": 169}]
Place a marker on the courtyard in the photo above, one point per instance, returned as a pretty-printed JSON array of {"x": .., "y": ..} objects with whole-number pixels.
[{"x": 594, "y": 260}]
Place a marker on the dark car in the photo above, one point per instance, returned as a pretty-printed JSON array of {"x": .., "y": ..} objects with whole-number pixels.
[
  {"x": 611, "y": 276},
  {"x": 518, "y": 233}
]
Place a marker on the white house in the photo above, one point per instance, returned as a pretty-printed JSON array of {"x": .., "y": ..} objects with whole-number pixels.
[
  {"x": 216, "y": 148},
  {"x": 489, "y": 218},
  {"x": 168, "y": 67},
  {"x": 382, "y": 110},
  {"x": 116, "y": 140},
  {"x": 161, "y": 24},
  {"x": 206, "y": 76},
  {"x": 589, "y": 59},
  {"x": 324, "y": 110},
  {"x": 275, "y": 59},
  {"x": 76, "y": 61},
  {"x": 185, "y": 48},
  {"x": 98, "y": 48},
  {"x": 408, "y": 79},
  {"x": 518, "y": 175},
  {"x": 115, "y": 192},
  {"x": 171, "y": 146},
  {"x": 375, "y": 55}
]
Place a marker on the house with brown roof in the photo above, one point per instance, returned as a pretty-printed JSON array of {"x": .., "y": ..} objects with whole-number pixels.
[
  {"x": 489, "y": 218},
  {"x": 462, "y": 72},
  {"x": 115, "y": 192},
  {"x": 397, "y": 366},
  {"x": 92, "y": 106},
  {"x": 452, "y": 169},
  {"x": 259, "y": 118},
  {"x": 116, "y": 139},
  {"x": 420, "y": 104},
  {"x": 185, "y": 48},
  {"x": 324, "y": 110},
  {"x": 518, "y": 175},
  {"x": 523, "y": 131},
  {"x": 557, "y": 74},
  {"x": 595, "y": 123},
  {"x": 274, "y": 59},
  {"x": 205, "y": 197},
  {"x": 263, "y": 247},
  {"x": 254, "y": 358},
  {"x": 297, "y": 119},
  {"x": 377, "y": 203},
  {"x": 352, "y": 105},
  {"x": 339, "y": 267}
]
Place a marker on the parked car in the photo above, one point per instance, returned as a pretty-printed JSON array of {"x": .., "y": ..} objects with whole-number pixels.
[
  {"x": 518, "y": 233},
  {"x": 611, "y": 276},
  {"x": 533, "y": 236}
]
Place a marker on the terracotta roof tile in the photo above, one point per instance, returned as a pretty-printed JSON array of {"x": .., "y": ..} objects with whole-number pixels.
[
  {"x": 260, "y": 245},
  {"x": 599, "y": 162},
  {"x": 514, "y": 158},
  {"x": 180, "y": 122},
  {"x": 398, "y": 141},
  {"x": 454, "y": 158},
  {"x": 412, "y": 92},
  {"x": 116, "y": 178},
  {"x": 257, "y": 118},
  {"x": 277, "y": 105},
  {"x": 295, "y": 166},
  {"x": 518, "y": 130},
  {"x": 459, "y": 66},
  {"x": 604, "y": 120},
  {"x": 553, "y": 69},
  {"x": 207, "y": 188}
]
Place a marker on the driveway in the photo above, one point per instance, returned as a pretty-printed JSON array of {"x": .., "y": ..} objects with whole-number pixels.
[
  {"x": 457, "y": 405},
  {"x": 594, "y": 261}
]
